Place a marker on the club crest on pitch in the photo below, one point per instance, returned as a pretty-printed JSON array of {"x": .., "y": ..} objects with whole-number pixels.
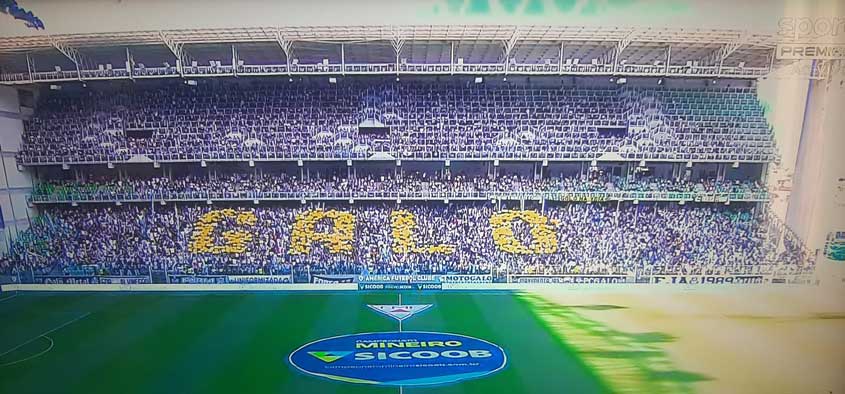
[{"x": 400, "y": 312}]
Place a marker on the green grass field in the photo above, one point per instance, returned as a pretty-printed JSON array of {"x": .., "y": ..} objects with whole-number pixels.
[{"x": 239, "y": 342}]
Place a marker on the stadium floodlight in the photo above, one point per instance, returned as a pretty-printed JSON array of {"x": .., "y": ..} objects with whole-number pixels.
[
  {"x": 55, "y": 87},
  {"x": 191, "y": 82},
  {"x": 660, "y": 81},
  {"x": 479, "y": 79},
  {"x": 207, "y": 202},
  {"x": 621, "y": 81},
  {"x": 254, "y": 202},
  {"x": 504, "y": 79},
  {"x": 681, "y": 202},
  {"x": 203, "y": 163},
  {"x": 398, "y": 201},
  {"x": 332, "y": 80},
  {"x": 163, "y": 202},
  {"x": 445, "y": 200},
  {"x": 735, "y": 164},
  {"x": 352, "y": 201}
]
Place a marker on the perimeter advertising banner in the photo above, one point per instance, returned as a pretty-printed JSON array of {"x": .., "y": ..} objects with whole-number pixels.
[
  {"x": 235, "y": 279},
  {"x": 333, "y": 278},
  {"x": 394, "y": 278},
  {"x": 707, "y": 279},
  {"x": 400, "y": 286},
  {"x": 91, "y": 280},
  {"x": 568, "y": 279}
]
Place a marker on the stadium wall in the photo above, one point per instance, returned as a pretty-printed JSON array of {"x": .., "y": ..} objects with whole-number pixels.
[
  {"x": 15, "y": 184},
  {"x": 783, "y": 98},
  {"x": 817, "y": 203}
]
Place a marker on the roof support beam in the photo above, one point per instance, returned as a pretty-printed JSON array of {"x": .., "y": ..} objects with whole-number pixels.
[
  {"x": 612, "y": 55},
  {"x": 70, "y": 53},
  {"x": 287, "y": 48},
  {"x": 508, "y": 47},
  {"x": 130, "y": 64},
  {"x": 397, "y": 43},
  {"x": 342, "y": 59},
  {"x": 717, "y": 57},
  {"x": 178, "y": 50},
  {"x": 560, "y": 59},
  {"x": 668, "y": 59},
  {"x": 452, "y": 58},
  {"x": 30, "y": 68},
  {"x": 234, "y": 61}
]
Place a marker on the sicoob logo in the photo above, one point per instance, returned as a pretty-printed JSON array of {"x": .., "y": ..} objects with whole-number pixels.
[{"x": 406, "y": 358}]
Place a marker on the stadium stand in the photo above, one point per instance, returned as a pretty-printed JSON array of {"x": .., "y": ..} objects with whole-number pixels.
[
  {"x": 409, "y": 185},
  {"x": 419, "y": 121},
  {"x": 567, "y": 238},
  {"x": 337, "y": 220}
]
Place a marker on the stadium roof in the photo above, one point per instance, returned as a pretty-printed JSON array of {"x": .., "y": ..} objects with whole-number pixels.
[{"x": 435, "y": 49}]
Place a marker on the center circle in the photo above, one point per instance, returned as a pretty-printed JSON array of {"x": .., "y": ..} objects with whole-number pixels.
[{"x": 406, "y": 358}]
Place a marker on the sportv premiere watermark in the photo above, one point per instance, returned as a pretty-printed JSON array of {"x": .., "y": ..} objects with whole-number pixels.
[{"x": 820, "y": 38}]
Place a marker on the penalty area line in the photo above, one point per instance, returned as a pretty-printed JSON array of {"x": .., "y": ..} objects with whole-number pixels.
[
  {"x": 43, "y": 352},
  {"x": 45, "y": 334}
]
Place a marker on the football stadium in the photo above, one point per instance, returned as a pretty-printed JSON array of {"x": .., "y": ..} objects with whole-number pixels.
[{"x": 431, "y": 196}]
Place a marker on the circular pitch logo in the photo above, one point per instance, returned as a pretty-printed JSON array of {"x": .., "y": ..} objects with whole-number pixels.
[{"x": 407, "y": 358}]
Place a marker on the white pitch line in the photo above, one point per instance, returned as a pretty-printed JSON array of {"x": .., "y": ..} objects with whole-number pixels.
[
  {"x": 8, "y": 298},
  {"x": 401, "y": 391},
  {"x": 48, "y": 332},
  {"x": 400, "y": 323},
  {"x": 43, "y": 352}
]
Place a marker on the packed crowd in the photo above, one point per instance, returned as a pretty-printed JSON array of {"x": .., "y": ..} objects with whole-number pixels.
[
  {"x": 416, "y": 238},
  {"x": 406, "y": 184},
  {"x": 293, "y": 121}
]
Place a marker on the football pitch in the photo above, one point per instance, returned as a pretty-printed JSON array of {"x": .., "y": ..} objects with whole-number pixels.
[
  {"x": 560, "y": 342},
  {"x": 240, "y": 342}
]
